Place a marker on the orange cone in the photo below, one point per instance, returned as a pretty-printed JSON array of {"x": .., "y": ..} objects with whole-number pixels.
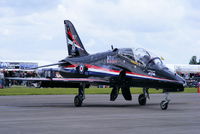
[{"x": 198, "y": 89}]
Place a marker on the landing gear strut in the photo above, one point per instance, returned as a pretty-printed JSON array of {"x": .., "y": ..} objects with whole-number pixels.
[
  {"x": 142, "y": 99},
  {"x": 78, "y": 99},
  {"x": 164, "y": 103},
  {"x": 114, "y": 93}
]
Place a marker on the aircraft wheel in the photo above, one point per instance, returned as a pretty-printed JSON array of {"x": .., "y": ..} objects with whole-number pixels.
[
  {"x": 142, "y": 99},
  {"x": 164, "y": 105},
  {"x": 78, "y": 101}
]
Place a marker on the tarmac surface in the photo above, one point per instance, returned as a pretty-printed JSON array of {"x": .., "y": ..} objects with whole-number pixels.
[{"x": 56, "y": 114}]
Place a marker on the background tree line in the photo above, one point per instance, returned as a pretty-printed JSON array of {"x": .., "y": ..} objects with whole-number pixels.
[{"x": 193, "y": 61}]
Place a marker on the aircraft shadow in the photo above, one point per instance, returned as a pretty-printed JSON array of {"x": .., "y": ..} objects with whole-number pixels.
[
  {"x": 149, "y": 107},
  {"x": 85, "y": 105}
]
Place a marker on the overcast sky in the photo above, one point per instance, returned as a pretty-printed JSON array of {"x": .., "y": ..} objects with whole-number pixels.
[{"x": 33, "y": 30}]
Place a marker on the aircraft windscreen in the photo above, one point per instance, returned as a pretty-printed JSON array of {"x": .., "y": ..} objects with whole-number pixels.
[
  {"x": 142, "y": 57},
  {"x": 127, "y": 53},
  {"x": 147, "y": 58}
]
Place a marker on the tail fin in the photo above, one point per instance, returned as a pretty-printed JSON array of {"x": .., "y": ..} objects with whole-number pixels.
[{"x": 74, "y": 44}]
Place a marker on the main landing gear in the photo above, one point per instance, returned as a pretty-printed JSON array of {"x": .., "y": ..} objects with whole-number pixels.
[
  {"x": 164, "y": 103},
  {"x": 142, "y": 99},
  {"x": 78, "y": 99}
]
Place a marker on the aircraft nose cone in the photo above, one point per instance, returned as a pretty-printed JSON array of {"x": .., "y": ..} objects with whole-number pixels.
[
  {"x": 181, "y": 80},
  {"x": 184, "y": 83}
]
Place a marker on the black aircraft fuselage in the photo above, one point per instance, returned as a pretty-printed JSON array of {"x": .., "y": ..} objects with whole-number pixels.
[{"x": 109, "y": 65}]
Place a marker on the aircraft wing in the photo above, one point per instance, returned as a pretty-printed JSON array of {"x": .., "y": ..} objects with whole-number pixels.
[
  {"x": 59, "y": 63},
  {"x": 67, "y": 80}
]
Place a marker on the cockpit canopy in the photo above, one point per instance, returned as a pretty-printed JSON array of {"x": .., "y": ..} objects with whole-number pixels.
[{"x": 142, "y": 57}]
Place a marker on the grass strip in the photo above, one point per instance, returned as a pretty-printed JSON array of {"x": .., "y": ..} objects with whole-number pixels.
[{"x": 18, "y": 90}]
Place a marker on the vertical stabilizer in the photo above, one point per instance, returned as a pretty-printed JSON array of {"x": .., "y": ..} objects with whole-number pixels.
[{"x": 74, "y": 44}]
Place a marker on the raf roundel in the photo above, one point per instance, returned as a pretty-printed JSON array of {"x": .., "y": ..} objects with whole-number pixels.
[{"x": 81, "y": 69}]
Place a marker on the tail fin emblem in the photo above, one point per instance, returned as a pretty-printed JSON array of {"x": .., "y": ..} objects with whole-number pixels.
[{"x": 72, "y": 39}]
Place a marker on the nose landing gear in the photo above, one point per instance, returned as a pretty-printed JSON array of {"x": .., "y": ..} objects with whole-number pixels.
[{"x": 164, "y": 103}]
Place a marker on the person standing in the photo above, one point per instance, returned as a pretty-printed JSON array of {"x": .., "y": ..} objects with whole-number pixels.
[{"x": 1, "y": 80}]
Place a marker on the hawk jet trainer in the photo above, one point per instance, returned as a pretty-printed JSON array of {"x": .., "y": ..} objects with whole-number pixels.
[{"x": 120, "y": 68}]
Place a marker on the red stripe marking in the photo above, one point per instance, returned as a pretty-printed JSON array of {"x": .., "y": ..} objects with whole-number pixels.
[
  {"x": 71, "y": 36},
  {"x": 101, "y": 68},
  {"x": 70, "y": 66}
]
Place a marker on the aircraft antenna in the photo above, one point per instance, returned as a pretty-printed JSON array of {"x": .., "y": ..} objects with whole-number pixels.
[{"x": 112, "y": 47}]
